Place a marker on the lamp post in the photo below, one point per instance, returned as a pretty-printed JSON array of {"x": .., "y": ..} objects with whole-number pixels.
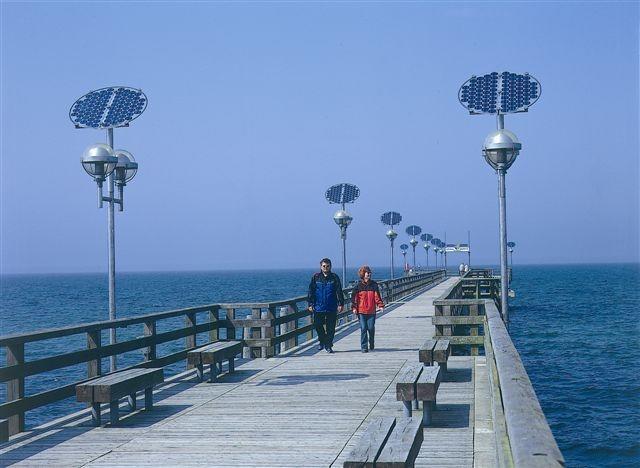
[
  {"x": 501, "y": 148},
  {"x": 106, "y": 109},
  {"x": 391, "y": 235},
  {"x": 343, "y": 219},
  {"x": 426, "y": 238},
  {"x": 511, "y": 245},
  {"x": 498, "y": 94},
  {"x": 403, "y": 249},
  {"x": 342, "y": 194},
  {"x": 413, "y": 231},
  {"x": 391, "y": 218}
]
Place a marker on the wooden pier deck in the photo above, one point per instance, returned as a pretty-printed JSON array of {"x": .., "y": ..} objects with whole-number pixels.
[{"x": 300, "y": 409}]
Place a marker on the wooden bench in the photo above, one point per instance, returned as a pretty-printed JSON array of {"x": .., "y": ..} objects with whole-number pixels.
[
  {"x": 112, "y": 387},
  {"x": 214, "y": 354},
  {"x": 435, "y": 351},
  {"x": 419, "y": 383},
  {"x": 387, "y": 443},
  {"x": 4, "y": 430}
]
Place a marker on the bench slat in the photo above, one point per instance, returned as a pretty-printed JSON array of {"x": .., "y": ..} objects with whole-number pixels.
[
  {"x": 371, "y": 442},
  {"x": 406, "y": 383},
  {"x": 428, "y": 383},
  {"x": 403, "y": 444},
  {"x": 219, "y": 350}
]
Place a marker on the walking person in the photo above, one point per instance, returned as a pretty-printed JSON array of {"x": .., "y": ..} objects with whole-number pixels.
[
  {"x": 365, "y": 302},
  {"x": 325, "y": 300}
]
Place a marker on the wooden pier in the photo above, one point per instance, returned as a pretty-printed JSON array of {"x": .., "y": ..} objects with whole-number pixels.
[{"x": 301, "y": 407}]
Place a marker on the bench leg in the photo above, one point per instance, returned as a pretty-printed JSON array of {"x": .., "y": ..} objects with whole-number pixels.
[
  {"x": 95, "y": 414},
  {"x": 232, "y": 367},
  {"x": 148, "y": 398},
  {"x": 407, "y": 409},
  {"x": 213, "y": 372},
  {"x": 200, "y": 371},
  {"x": 443, "y": 366},
  {"x": 427, "y": 410},
  {"x": 114, "y": 412},
  {"x": 131, "y": 401},
  {"x": 416, "y": 404},
  {"x": 220, "y": 367}
]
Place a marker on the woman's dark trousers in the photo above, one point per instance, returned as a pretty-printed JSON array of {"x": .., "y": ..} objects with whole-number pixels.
[
  {"x": 367, "y": 327},
  {"x": 325, "y": 324}
]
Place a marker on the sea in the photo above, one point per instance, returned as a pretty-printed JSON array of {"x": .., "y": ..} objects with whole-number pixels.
[{"x": 576, "y": 327}]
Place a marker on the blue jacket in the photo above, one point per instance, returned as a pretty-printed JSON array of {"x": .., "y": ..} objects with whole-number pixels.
[{"x": 325, "y": 293}]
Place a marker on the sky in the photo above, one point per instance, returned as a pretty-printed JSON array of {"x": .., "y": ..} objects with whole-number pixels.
[{"x": 256, "y": 108}]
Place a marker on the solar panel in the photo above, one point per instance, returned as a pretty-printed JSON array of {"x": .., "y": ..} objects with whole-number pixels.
[
  {"x": 502, "y": 93},
  {"x": 511, "y": 244},
  {"x": 404, "y": 247},
  {"x": 413, "y": 230},
  {"x": 391, "y": 218},
  {"x": 435, "y": 241},
  {"x": 429, "y": 237},
  {"x": 342, "y": 193},
  {"x": 108, "y": 107},
  {"x": 423, "y": 237}
]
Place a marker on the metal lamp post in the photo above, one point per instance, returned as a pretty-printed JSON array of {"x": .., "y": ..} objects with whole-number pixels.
[
  {"x": 426, "y": 238},
  {"x": 498, "y": 94},
  {"x": 501, "y": 148},
  {"x": 391, "y": 235},
  {"x": 426, "y": 252},
  {"x": 391, "y": 218},
  {"x": 343, "y": 219},
  {"x": 342, "y": 194},
  {"x": 403, "y": 249},
  {"x": 106, "y": 109},
  {"x": 413, "y": 231}
]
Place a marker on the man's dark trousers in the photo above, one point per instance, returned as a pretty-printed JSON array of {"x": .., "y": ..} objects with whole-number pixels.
[{"x": 328, "y": 320}]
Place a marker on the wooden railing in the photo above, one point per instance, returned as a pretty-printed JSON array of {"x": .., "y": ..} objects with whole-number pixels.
[
  {"x": 266, "y": 329},
  {"x": 468, "y": 314}
]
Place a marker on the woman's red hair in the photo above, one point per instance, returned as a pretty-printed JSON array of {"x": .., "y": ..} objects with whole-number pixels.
[{"x": 363, "y": 269}]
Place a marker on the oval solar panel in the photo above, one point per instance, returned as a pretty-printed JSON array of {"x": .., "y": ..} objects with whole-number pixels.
[
  {"x": 391, "y": 218},
  {"x": 404, "y": 247},
  {"x": 342, "y": 193},
  {"x": 111, "y": 107},
  {"x": 502, "y": 93},
  {"x": 414, "y": 230}
]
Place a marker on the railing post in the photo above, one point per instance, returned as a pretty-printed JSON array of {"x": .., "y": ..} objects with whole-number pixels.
[
  {"x": 473, "y": 311},
  {"x": 150, "y": 330},
  {"x": 15, "y": 387},
  {"x": 231, "y": 329},
  {"x": 268, "y": 332},
  {"x": 254, "y": 332},
  {"x": 214, "y": 317},
  {"x": 190, "y": 340},
  {"x": 94, "y": 341}
]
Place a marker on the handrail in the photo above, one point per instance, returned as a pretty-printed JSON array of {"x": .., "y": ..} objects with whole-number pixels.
[
  {"x": 270, "y": 327},
  {"x": 523, "y": 435}
]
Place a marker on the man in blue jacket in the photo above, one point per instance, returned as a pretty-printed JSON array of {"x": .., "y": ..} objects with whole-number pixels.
[{"x": 325, "y": 301}]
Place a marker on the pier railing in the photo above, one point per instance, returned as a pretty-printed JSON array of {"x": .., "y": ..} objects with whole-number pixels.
[
  {"x": 468, "y": 315},
  {"x": 266, "y": 329}
]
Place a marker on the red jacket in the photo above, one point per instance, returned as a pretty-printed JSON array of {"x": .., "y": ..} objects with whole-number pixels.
[{"x": 366, "y": 298}]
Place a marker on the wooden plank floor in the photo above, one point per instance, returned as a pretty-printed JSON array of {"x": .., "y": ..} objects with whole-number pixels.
[{"x": 300, "y": 410}]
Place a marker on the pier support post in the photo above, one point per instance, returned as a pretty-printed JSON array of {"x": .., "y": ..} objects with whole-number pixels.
[
  {"x": 150, "y": 330},
  {"x": 190, "y": 340},
  {"x": 94, "y": 367}
]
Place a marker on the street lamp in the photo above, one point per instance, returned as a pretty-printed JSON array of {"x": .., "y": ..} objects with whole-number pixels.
[
  {"x": 499, "y": 94},
  {"x": 413, "y": 231},
  {"x": 106, "y": 109},
  {"x": 342, "y": 194},
  {"x": 426, "y": 238},
  {"x": 391, "y": 218},
  {"x": 403, "y": 249}
]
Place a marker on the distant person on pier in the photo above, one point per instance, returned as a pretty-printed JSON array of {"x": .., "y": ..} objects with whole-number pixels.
[
  {"x": 365, "y": 302},
  {"x": 461, "y": 269},
  {"x": 325, "y": 301}
]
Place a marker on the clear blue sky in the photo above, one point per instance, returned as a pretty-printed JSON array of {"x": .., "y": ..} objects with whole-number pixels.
[{"x": 256, "y": 108}]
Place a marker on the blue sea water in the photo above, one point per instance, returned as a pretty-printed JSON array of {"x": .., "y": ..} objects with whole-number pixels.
[{"x": 576, "y": 328}]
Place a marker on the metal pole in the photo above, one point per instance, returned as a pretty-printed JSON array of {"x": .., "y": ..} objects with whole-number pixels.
[
  {"x": 344, "y": 258},
  {"x": 392, "y": 273},
  {"x": 112, "y": 257},
  {"x": 504, "y": 282},
  {"x": 426, "y": 251},
  {"x": 469, "y": 252},
  {"x": 414, "y": 255}
]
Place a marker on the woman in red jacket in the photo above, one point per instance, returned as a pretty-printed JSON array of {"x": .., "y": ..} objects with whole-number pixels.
[{"x": 365, "y": 302}]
